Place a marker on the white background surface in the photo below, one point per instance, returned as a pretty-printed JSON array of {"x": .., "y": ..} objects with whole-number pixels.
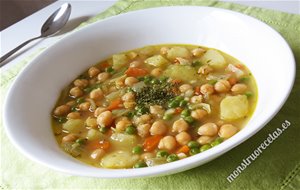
[{"x": 81, "y": 11}]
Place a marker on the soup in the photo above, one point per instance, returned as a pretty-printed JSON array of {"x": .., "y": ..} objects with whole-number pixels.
[{"x": 154, "y": 105}]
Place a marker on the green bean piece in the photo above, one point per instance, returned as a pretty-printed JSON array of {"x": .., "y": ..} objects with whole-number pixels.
[
  {"x": 172, "y": 158},
  {"x": 173, "y": 104},
  {"x": 140, "y": 164},
  {"x": 205, "y": 147},
  {"x": 189, "y": 119},
  {"x": 162, "y": 154},
  {"x": 137, "y": 150},
  {"x": 193, "y": 144},
  {"x": 130, "y": 130},
  {"x": 179, "y": 98},
  {"x": 183, "y": 103}
]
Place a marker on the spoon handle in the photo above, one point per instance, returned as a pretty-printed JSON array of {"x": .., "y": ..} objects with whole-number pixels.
[{"x": 4, "y": 57}]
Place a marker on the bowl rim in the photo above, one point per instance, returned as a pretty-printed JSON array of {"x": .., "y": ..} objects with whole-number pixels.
[{"x": 164, "y": 169}]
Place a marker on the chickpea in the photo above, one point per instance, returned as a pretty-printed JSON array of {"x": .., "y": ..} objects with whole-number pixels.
[
  {"x": 167, "y": 143},
  {"x": 96, "y": 94},
  {"x": 129, "y": 96},
  {"x": 105, "y": 119},
  {"x": 122, "y": 124},
  {"x": 135, "y": 64},
  {"x": 156, "y": 72},
  {"x": 146, "y": 118},
  {"x": 197, "y": 99},
  {"x": 93, "y": 71},
  {"x": 120, "y": 82},
  {"x": 222, "y": 86},
  {"x": 129, "y": 105},
  {"x": 103, "y": 76},
  {"x": 185, "y": 87},
  {"x": 227, "y": 130},
  {"x": 198, "y": 114},
  {"x": 71, "y": 103},
  {"x": 147, "y": 155},
  {"x": 205, "y": 69},
  {"x": 91, "y": 122},
  {"x": 81, "y": 83},
  {"x": 239, "y": 88},
  {"x": 197, "y": 52},
  {"x": 180, "y": 125},
  {"x": 164, "y": 50},
  {"x": 189, "y": 93},
  {"x": 183, "y": 138},
  {"x": 85, "y": 106},
  {"x": 129, "y": 81},
  {"x": 98, "y": 111},
  {"x": 69, "y": 138},
  {"x": 205, "y": 139},
  {"x": 97, "y": 154},
  {"x": 62, "y": 110},
  {"x": 158, "y": 128},
  {"x": 76, "y": 92},
  {"x": 207, "y": 89},
  {"x": 208, "y": 129},
  {"x": 157, "y": 110},
  {"x": 143, "y": 129},
  {"x": 73, "y": 115}
]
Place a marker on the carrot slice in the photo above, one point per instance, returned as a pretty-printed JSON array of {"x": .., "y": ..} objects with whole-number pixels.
[
  {"x": 92, "y": 145},
  {"x": 136, "y": 72},
  {"x": 151, "y": 143},
  {"x": 104, "y": 65},
  {"x": 184, "y": 149},
  {"x": 115, "y": 104},
  {"x": 197, "y": 90},
  {"x": 232, "y": 80}
]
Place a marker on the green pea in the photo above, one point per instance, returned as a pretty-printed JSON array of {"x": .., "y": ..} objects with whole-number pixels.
[
  {"x": 216, "y": 142},
  {"x": 249, "y": 94},
  {"x": 130, "y": 114},
  {"x": 61, "y": 119},
  {"x": 173, "y": 104},
  {"x": 109, "y": 70},
  {"x": 162, "y": 154},
  {"x": 194, "y": 151},
  {"x": 205, "y": 147},
  {"x": 183, "y": 103},
  {"x": 103, "y": 129},
  {"x": 140, "y": 164},
  {"x": 212, "y": 82},
  {"x": 172, "y": 158},
  {"x": 79, "y": 100},
  {"x": 81, "y": 141},
  {"x": 185, "y": 113},
  {"x": 137, "y": 150},
  {"x": 193, "y": 144},
  {"x": 167, "y": 117},
  {"x": 130, "y": 130}
]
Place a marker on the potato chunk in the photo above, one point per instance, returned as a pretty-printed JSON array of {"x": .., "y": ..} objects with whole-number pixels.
[
  {"x": 175, "y": 52},
  {"x": 123, "y": 141},
  {"x": 182, "y": 72},
  {"x": 74, "y": 125},
  {"x": 119, "y": 60},
  {"x": 214, "y": 59},
  {"x": 157, "y": 61},
  {"x": 234, "y": 107},
  {"x": 119, "y": 159}
]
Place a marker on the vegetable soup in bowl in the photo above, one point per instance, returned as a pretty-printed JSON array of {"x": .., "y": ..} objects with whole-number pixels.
[{"x": 126, "y": 98}]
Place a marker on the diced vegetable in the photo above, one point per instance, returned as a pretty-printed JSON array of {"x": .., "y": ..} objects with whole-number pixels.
[
  {"x": 155, "y": 161},
  {"x": 234, "y": 107},
  {"x": 214, "y": 59},
  {"x": 135, "y": 72},
  {"x": 119, "y": 60},
  {"x": 123, "y": 141},
  {"x": 120, "y": 112},
  {"x": 138, "y": 86},
  {"x": 204, "y": 106},
  {"x": 182, "y": 72},
  {"x": 115, "y": 104},
  {"x": 238, "y": 72},
  {"x": 74, "y": 125},
  {"x": 113, "y": 95},
  {"x": 175, "y": 52},
  {"x": 157, "y": 61},
  {"x": 184, "y": 149},
  {"x": 95, "y": 144},
  {"x": 151, "y": 143},
  {"x": 119, "y": 159},
  {"x": 94, "y": 134}
]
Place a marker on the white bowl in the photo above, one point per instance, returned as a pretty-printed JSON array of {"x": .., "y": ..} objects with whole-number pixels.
[{"x": 31, "y": 98}]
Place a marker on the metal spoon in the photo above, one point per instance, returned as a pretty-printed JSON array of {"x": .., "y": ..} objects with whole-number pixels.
[{"x": 52, "y": 25}]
